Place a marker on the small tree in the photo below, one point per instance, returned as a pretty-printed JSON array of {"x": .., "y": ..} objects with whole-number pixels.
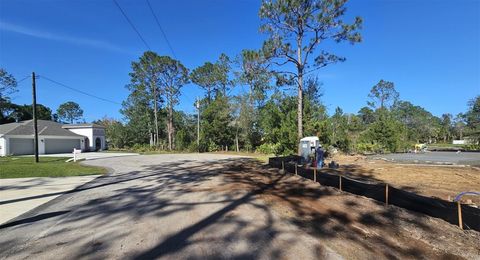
[
  {"x": 213, "y": 77},
  {"x": 217, "y": 131},
  {"x": 69, "y": 112},
  {"x": 383, "y": 95},
  {"x": 384, "y": 132},
  {"x": 115, "y": 132},
  {"x": 254, "y": 73},
  {"x": 446, "y": 127}
]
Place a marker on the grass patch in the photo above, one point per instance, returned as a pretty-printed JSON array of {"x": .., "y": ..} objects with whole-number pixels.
[
  {"x": 21, "y": 167},
  {"x": 446, "y": 145}
]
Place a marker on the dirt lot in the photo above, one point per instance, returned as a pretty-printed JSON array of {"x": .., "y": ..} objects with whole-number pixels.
[
  {"x": 203, "y": 206},
  {"x": 443, "y": 182},
  {"x": 354, "y": 226}
]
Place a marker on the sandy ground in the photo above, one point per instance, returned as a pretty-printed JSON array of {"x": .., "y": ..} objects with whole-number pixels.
[
  {"x": 159, "y": 206},
  {"x": 197, "y": 206},
  {"x": 356, "y": 227},
  {"x": 443, "y": 182}
]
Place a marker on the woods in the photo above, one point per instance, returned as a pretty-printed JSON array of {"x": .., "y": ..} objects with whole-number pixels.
[
  {"x": 263, "y": 117},
  {"x": 263, "y": 100}
]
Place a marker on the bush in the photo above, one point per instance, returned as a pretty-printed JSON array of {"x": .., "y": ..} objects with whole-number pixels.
[
  {"x": 193, "y": 147},
  {"x": 212, "y": 146},
  {"x": 141, "y": 148},
  {"x": 267, "y": 148},
  {"x": 369, "y": 148},
  {"x": 472, "y": 147}
]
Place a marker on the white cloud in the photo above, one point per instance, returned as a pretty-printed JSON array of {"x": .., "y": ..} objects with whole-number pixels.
[{"x": 62, "y": 38}]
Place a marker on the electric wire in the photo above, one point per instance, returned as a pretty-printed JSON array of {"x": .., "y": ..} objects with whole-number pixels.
[
  {"x": 131, "y": 24},
  {"x": 161, "y": 29},
  {"x": 77, "y": 90}
]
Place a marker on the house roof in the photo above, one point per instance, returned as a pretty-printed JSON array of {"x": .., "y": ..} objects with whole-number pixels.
[
  {"x": 82, "y": 126},
  {"x": 45, "y": 127}
]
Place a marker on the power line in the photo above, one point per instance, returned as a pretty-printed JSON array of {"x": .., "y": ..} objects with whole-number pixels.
[
  {"x": 161, "y": 29},
  {"x": 131, "y": 24},
  {"x": 20, "y": 81},
  {"x": 79, "y": 91}
]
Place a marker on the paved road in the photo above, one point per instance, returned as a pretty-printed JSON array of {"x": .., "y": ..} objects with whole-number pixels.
[
  {"x": 20, "y": 195},
  {"x": 463, "y": 158},
  {"x": 158, "y": 206}
]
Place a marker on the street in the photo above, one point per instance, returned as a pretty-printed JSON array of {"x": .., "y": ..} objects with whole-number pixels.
[{"x": 158, "y": 206}]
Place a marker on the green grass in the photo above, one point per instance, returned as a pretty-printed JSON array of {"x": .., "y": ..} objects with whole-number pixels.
[
  {"x": 442, "y": 145},
  {"x": 20, "y": 167}
]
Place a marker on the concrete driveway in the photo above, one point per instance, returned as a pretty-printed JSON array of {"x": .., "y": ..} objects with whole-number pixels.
[
  {"x": 159, "y": 206},
  {"x": 91, "y": 155},
  {"x": 19, "y": 195}
]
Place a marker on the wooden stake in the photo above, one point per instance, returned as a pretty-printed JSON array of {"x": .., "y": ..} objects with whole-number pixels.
[
  {"x": 460, "y": 222},
  {"x": 296, "y": 171},
  {"x": 340, "y": 182},
  {"x": 315, "y": 174},
  {"x": 386, "y": 194},
  {"x": 283, "y": 166}
]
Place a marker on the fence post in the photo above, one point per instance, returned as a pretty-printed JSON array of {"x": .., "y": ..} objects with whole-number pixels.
[
  {"x": 386, "y": 194},
  {"x": 283, "y": 165},
  {"x": 296, "y": 171},
  {"x": 460, "y": 222},
  {"x": 315, "y": 174},
  {"x": 340, "y": 182}
]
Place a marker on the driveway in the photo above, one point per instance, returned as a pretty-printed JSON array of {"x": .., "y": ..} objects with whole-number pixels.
[
  {"x": 19, "y": 195},
  {"x": 91, "y": 155},
  {"x": 159, "y": 206}
]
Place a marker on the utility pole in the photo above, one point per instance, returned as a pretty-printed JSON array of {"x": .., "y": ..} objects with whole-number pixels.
[
  {"x": 35, "y": 127},
  {"x": 198, "y": 124}
]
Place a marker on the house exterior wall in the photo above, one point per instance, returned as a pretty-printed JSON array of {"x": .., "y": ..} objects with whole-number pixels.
[
  {"x": 4, "y": 142},
  {"x": 100, "y": 134},
  {"x": 92, "y": 133},
  {"x": 3, "y": 146},
  {"x": 87, "y": 132}
]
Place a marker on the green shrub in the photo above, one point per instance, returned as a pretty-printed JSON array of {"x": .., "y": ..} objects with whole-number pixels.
[
  {"x": 267, "y": 148},
  {"x": 369, "y": 148},
  {"x": 472, "y": 147}
]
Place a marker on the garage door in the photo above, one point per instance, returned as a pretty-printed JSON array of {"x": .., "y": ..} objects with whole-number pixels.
[
  {"x": 20, "y": 146},
  {"x": 61, "y": 145}
]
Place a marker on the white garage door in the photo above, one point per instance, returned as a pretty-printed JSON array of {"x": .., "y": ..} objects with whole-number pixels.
[
  {"x": 21, "y": 146},
  {"x": 61, "y": 145}
]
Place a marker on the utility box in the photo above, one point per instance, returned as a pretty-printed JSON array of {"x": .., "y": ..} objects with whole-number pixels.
[{"x": 308, "y": 145}]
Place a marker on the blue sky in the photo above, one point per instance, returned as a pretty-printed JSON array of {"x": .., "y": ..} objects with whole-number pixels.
[{"x": 430, "y": 49}]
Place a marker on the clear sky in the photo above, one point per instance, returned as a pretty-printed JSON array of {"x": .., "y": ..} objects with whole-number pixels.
[{"x": 430, "y": 49}]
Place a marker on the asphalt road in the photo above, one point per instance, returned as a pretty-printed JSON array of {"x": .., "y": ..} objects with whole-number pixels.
[
  {"x": 462, "y": 158},
  {"x": 157, "y": 206}
]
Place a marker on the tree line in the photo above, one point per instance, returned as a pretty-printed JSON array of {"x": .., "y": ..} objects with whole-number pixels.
[{"x": 277, "y": 99}]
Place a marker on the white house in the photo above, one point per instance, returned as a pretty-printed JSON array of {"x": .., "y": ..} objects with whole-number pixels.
[
  {"x": 94, "y": 135},
  {"x": 53, "y": 137}
]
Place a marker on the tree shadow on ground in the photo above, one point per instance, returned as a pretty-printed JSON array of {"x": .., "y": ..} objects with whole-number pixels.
[{"x": 237, "y": 203}]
